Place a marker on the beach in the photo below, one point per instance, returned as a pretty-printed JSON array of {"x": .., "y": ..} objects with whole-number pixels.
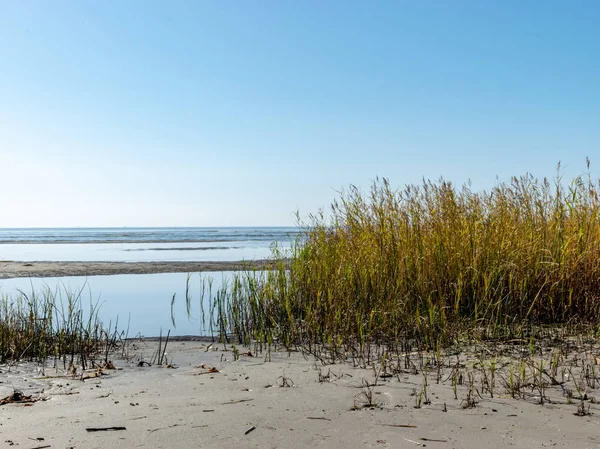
[
  {"x": 288, "y": 225},
  {"x": 208, "y": 399}
]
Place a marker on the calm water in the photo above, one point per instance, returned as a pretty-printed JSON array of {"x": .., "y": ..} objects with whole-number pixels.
[
  {"x": 142, "y": 244},
  {"x": 142, "y": 299}
]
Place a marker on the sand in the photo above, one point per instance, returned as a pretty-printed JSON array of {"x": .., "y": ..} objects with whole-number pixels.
[
  {"x": 244, "y": 405},
  {"x": 14, "y": 269}
]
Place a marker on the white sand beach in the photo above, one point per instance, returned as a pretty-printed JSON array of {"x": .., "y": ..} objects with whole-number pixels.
[{"x": 289, "y": 402}]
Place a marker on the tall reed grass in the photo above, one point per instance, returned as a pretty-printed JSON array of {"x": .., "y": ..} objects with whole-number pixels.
[{"x": 429, "y": 263}]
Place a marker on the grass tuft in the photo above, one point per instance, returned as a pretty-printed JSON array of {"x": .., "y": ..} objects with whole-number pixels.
[{"x": 53, "y": 324}]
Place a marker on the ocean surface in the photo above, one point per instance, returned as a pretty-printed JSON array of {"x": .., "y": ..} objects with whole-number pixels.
[
  {"x": 141, "y": 302},
  {"x": 142, "y": 244}
]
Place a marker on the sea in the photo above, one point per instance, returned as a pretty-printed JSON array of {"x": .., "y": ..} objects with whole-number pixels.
[
  {"x": 141, "y": 303},
  {"x": 142, "y": 244}
]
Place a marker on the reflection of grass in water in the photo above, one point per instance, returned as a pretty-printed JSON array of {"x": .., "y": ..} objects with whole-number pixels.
[
  {"x": 45, "y": 324},
  {"x": 426, "y": 266}
]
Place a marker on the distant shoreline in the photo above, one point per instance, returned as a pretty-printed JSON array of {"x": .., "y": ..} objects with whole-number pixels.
[{"x": 18, "y": 269}]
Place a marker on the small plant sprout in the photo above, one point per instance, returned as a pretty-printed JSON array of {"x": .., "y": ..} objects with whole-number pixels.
[{"x": 366, "y": 397}]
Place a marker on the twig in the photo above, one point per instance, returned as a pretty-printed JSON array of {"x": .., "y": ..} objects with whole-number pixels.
[{"x": 237, "y": 402}]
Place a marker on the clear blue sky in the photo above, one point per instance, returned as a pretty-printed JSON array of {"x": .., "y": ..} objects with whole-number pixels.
[{"x": 125, "y": 113}]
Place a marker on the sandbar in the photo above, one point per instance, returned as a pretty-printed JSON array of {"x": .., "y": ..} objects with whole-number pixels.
[{"x": 16, "y": 269}]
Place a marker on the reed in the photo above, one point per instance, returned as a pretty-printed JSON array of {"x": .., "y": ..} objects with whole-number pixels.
[
  {"x": 428, "y": 264},
  {"x": 47, "y": 324}
]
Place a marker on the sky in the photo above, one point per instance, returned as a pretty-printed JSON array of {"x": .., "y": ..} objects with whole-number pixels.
[{"x": 240, "y": 113}]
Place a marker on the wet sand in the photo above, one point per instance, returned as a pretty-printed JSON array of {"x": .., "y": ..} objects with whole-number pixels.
[{"x": 14, "y": 269}]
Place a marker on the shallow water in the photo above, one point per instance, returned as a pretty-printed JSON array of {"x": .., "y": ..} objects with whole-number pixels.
[{"x": 142, "y": 299}]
